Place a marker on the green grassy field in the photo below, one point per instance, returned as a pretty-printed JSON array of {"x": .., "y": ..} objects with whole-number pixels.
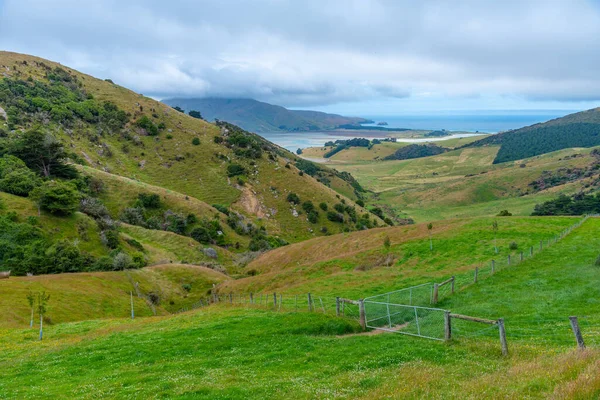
[
  {"x": 464, "y": 183},
  {"x": 237, "y": 352}
]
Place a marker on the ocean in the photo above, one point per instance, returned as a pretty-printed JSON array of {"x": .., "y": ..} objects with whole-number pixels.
[{"x": 476, "y": 122}]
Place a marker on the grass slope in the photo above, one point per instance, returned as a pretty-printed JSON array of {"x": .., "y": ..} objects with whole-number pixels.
[
  {"x": 358, "y": 265},
  {"x": 464, "y": 182},
  {"x": 171, "y": 162},
  {"x": 97, "y": 295}
]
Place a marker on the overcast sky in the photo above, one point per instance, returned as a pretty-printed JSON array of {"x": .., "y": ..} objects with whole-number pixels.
[{"x": 362, "y": 57}]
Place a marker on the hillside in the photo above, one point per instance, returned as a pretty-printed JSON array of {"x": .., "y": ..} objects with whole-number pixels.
[
  {"x": 580, "y": 129},
  {"x": 138, "y": 166},
  {"x": 257, "y": 116},
  {"x": 252, "y": 352}
]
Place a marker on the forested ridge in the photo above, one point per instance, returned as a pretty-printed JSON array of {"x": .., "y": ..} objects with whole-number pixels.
[{"x": 574, "y": 130}]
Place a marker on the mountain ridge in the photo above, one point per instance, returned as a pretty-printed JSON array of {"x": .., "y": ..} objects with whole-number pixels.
[{"x": 258, "y": 116}]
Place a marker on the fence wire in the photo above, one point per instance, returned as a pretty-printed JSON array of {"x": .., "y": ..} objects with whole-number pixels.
[{"x": 406, "y": 319}]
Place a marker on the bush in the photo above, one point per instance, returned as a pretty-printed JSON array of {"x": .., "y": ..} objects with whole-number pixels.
[
  {"x": 323, "y": 206},
  {"x": 308, "y": 206},
  {"x": 235, "y": 170},
  {"x": 93, "y": 207},
  {"x": 335, "y": 217},
  {"x": 504, "y": 213},
  {"x": 223, "y": 209},
  {"x": 138, "y": 260},
  {"x": 133, "y": 216},
  {"x": 313, "y": 216},
  {"x": 196, "y": 141},
  {"x": 122, "y": 261},
  {"x": 110, "y": 238},
  {"x": 147, "y": 125},
  {"x": 64, "y": 256},
  {"x": 19, "y": 182},
  {"x": 201, "y": 234},
  {"x": 339, "y": 208},
  {"x": 59, "y": 198},
  {"x": 360, "y": 202},
  {"x": 187, "y": 287},
  {"x": 293, "y": 198},
  {"x": 149, "y": 200},
  {"x": 513, "y": 246}
]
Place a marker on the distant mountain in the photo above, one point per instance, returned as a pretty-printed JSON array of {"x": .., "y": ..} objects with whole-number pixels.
[
  {"x": 580, "y": 129},
  {"x": 257, "y": 116}
]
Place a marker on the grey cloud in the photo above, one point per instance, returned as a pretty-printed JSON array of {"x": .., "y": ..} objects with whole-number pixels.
[{"x": 301, "y": 53}]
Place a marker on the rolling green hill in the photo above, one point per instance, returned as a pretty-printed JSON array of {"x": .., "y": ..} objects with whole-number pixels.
[
  {"x": 257, "y": 116},
  {"x": 151, "y": 167},
  {"x": 580, "y": 129}
]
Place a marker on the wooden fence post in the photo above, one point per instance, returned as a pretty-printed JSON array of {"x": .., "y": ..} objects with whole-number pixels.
[
  {"x": 502, "y": 332},
  {"x": 453, "y": 279},
  {"x": 296, "y": 302},
  {"x": 476, "y": 272},
  {"x": 509, "y": 259},
  {"x": 280, "y": 301},
  {"x": 493, "y": 266},
  {"x": 230, "y": 298},
  {"x": 251, "y": 298},
  {"x": 447, "y": 326},
  {"x": 531, "y": 251},
  {"x": 275, "y": 300},
  {"x": 337, "y": 306},
  {"x": 132, "y": 313},
  {"x": 577, "y": 332},
  {"x": 361, "y": 310},
  {"x": 435, "y": 293},
  {"x": 309, "y": 302}
]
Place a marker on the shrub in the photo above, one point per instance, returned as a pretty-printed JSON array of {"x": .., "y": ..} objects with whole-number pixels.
[
  {"x": 235, "y": 170},
  {"x": 223, "y": 209},
  {"x": 195, "y": 114},
  {"x": 138, "y": 260},
  {"x": 19, "y": 182},
  {"x": 240, "y": 182},
  {"x": 339, "y": 208},
  {"x": 133, "y": 216},
  {"x": 104, "y": 263},
  {"x": 504, "y": 213},
  {"x": 64, "y": 256},
  {"x": 122, "y": 261},
  {"x": 293, "y": 198},
  {"x": 93, "y": 207},
  {"x": 110, "y": 238},
  {"x": 57, "y": 197},
  {"x": 513, "y": 246},
  {"x": 360, "y": 202},
  {"x": 187, "y": 287},
  {"x": 313, "y": 216},
  {"x": 201, "y": 234},
  {"x": 135, "y": 244},
  {"x": 147, "y": 125},
  {"x": 323, "y": 206},
  {"x": 196, "y": 141},
  {"x": 308, "y": 206},
  {"x": 191, "y": 219},
  {"x": 153, "y": 222},
  {"x": 335, "y": 217},
  {"x": 175, "y": 222},
  {"x": 149, "y": 200}
]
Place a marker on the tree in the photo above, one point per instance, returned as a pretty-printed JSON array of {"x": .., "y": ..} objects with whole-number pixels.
[
  {"x": 195, "y": 141},
  {"x": 299, "y": 151},
  {"x": 195, "y": 114},
  {"x": 495, "y": 230},
  {"x": 31, "y": 301},
  {"x": 42, "y": 299},
  {"x": 43, "y": 152},
  {"x": 293, "y": 198},
  {"x": 177, "y": 108},
  {"x": 430, "y": 228},
  {"x": 60, "y": 198}
]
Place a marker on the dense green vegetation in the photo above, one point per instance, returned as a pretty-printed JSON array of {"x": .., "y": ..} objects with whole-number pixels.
[
  {"x": 577, "y": 204},
  {"x": 575, "y": 130},
  {"x": 416, "y": 151}
]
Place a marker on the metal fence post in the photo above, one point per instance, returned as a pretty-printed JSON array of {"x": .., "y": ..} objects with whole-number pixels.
[
  {"x": 309, "y": 302},
  {"x": 476, "y": 272},
  {"x": 493, "y": 266},
  {"x": 337, "y": 306}
]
